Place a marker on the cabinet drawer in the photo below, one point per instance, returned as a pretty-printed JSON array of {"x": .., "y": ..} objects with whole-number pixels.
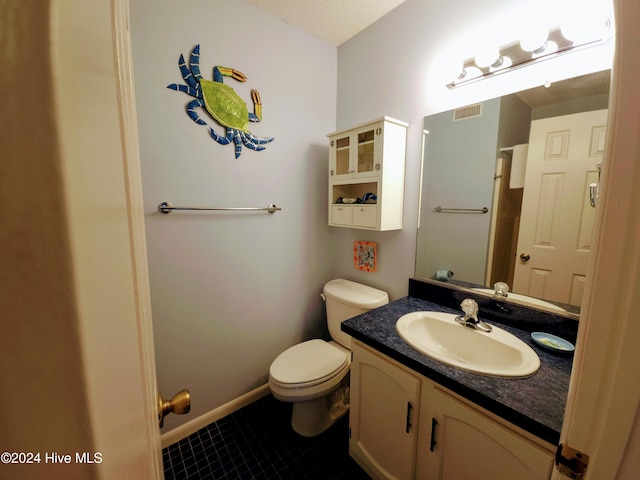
[
  {"x": 365, "y": 215},
  {"x": 342, "y": 214}
]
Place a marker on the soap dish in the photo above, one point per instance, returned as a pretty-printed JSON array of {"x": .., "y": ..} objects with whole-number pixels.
[{"x": 551, "y": 342}]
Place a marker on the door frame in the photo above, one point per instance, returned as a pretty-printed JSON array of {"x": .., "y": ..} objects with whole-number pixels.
[
  {"x": 604, "y": 393},
  {"x": 135, "y": 212}
]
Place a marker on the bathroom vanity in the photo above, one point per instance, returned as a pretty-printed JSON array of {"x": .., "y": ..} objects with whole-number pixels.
[{"x": 414, "y": 417}]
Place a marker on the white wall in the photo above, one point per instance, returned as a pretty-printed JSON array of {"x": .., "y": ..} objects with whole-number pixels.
[
  {"x": 397, "y": 66},
  {"x": 232, "y": 291}
]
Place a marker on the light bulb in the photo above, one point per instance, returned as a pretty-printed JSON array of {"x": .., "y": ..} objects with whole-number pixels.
[
  {"x": 472, "y": 72},
  {"x": 504, "y": 62},
  {"x": 452, "y": 69},
  {"x": 550, "y": 47},
  {"x": 534, "y": 40},
  {"x": 487, "y": 57}
]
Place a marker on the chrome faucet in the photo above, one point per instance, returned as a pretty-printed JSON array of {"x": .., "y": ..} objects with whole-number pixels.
[{"x": 470, "y": 319}]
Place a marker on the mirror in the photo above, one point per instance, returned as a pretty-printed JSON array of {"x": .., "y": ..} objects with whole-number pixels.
[{"x": 474, "y": 207}]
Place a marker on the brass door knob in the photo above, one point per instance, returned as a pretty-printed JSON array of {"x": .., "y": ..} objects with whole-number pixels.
[
  {"x": 180, "y": 403},
  {"x": 525, "y": 257}
]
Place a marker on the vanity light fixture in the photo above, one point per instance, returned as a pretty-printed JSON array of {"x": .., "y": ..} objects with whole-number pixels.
[{"x": 530, "y": 49}]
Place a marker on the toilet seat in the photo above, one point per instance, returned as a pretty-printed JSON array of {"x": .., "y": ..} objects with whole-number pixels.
[{"x": 307, "y": 364}]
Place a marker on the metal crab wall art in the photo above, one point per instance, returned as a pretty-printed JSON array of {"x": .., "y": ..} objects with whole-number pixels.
[{"x": 221, "y": 102}]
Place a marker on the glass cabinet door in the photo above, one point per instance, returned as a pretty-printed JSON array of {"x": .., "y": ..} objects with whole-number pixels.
[
  {"x": 342, "y": 156},
  {"x": 365, "y": 151}
]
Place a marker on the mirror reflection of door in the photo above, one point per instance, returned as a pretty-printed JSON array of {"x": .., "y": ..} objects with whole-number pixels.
[{"x": 554, "y": 238}]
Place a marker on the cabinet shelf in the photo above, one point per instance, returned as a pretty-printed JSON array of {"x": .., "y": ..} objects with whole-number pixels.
[{"x": 352, "y": 190}]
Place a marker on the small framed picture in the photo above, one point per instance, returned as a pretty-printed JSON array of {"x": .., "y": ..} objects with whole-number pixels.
[{"x": 365, "y": 256}]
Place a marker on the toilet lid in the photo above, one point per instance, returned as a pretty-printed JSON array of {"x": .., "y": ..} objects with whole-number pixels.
[{"x": 307, "y": 362}]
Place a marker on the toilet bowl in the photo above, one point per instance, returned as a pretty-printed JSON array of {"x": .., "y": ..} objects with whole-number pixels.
[
  {"x": 313, "y": 375},
  {"x": 305, "y": 375}
]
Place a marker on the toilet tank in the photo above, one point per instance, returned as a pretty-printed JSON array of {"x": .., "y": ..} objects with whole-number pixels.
[{"x": 346, "y": 299}]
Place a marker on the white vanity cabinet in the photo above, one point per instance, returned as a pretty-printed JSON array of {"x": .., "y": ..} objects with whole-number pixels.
[
  {"x": 450, "y": 437},
  {"x": 368, "y": 158}
]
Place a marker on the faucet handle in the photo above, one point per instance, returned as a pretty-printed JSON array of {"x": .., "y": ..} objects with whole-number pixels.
[
  {"x": 470, "y": 308},
  {"x": 501, "y": 289}
]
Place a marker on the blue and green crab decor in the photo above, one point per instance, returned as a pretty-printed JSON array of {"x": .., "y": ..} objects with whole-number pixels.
[{"x": 221, "y": 102}]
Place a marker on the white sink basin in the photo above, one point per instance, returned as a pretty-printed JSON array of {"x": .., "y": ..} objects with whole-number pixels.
[
  {"x": 524, "y": 299},
  {"x": 497, "y": 353}
]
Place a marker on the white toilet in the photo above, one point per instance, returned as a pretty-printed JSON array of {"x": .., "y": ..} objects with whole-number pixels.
[{"x": 313, "y": 375}]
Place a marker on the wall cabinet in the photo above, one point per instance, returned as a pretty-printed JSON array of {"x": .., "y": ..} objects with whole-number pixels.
[
  {"x": 439, "y": 436},
  {"x": 368, "y": 158}
]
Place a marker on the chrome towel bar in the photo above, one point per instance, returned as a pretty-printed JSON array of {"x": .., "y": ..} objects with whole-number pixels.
[
  {"x": 166, "y": 207},
  {"x": 440, "y": 209}
]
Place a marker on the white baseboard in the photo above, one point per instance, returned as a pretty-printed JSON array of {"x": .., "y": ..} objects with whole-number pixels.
[{"x": 183, "y": 431}]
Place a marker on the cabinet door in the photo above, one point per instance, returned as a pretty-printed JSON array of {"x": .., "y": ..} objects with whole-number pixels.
[
  {"x": 341, "y": 162},
  {"x": 365, "y": 159},
  {"x": 383, "y": 416},
  {"x": 365, "y": 216},
  {"x": 469, "y": 444}
]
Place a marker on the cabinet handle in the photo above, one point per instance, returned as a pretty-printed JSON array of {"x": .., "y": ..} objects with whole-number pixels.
[
  {"x": 432, "y": 444},
  {"x": 408, "y": 426}
]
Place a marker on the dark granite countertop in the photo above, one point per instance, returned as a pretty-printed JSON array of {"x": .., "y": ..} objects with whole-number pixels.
[{"x": 535, "y": 403}]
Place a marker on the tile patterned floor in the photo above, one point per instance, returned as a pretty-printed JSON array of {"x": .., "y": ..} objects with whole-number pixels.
[{"x": 257, "y": 442}]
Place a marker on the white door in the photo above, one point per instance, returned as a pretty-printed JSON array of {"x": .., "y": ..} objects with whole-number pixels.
[
  {"x": 78, "y": 377},
  {"x": 101, "y": 170},
  {"x": 557, "y": 217}
]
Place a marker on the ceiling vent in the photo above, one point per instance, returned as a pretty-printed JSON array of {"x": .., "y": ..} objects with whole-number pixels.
[{"x": 470, "y": 111}]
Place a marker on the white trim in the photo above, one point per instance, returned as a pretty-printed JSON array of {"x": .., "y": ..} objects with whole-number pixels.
[
  {"x": 135, "y": 214},
  {"x": 186, "y": 429}
]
